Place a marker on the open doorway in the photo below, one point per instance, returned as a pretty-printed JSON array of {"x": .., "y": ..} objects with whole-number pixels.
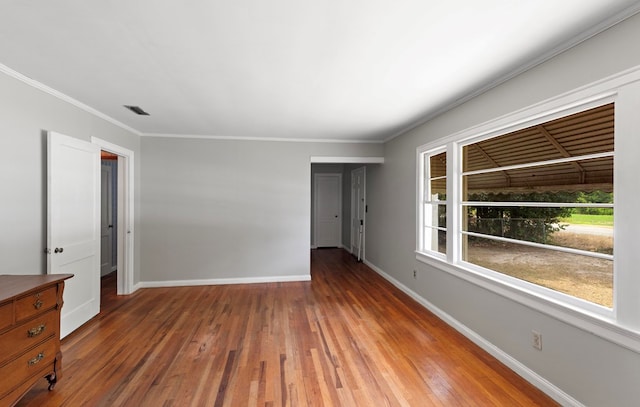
[
  {"x": 108, "y": 224},
  {"x": 122, "y": 223},
  {"x": 353, "y": 172}
]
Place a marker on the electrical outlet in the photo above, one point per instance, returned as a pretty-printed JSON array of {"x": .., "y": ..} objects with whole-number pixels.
[
  {"x": 415, "y": 274},
  {"x": 536, "y": 340}
]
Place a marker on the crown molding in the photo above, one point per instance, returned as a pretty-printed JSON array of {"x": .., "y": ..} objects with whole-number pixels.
[
  {"x": 65, "y": 98},
  {"x": 270, "y": 139}
]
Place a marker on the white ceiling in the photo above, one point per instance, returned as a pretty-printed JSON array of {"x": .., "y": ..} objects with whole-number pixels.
[{"x": 286, "y": 69}]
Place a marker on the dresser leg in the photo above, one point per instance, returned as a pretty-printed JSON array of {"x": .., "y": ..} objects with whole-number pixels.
[
  {"x": 57, "y": 371},
  {"x": 52, "y": 379}
]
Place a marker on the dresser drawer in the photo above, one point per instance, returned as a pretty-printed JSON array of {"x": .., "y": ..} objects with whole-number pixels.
[
  {"x": 28, "y": 334},
  {"x": 38, "y": 361},
  {"x": 6, "y": 315},
  {"x": 36, "y": 303}
]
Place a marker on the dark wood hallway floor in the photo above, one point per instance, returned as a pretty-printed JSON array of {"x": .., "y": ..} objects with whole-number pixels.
[{"x": 347, "y": 338}]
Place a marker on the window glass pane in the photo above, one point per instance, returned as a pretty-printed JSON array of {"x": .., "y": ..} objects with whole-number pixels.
[
  {"x": 435, "y": 215},
  {"x": 592, "y": 233},
  {"x": 438, "y": 190},
  {"x": 435, "y": 240},
  {"x": 565, "y": 180},
  {"x": 434, "y": 209},
  {"x": 566, "y": 227},
  {"x": 579, "y": 134},
  {"x": 584, "y": 277},
  {"x": 438, "y": 165}
]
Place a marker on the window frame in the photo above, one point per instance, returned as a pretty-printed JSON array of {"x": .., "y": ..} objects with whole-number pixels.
[
  {"x": 619, "y": 324},
  {"x": 424, "y": 174}
]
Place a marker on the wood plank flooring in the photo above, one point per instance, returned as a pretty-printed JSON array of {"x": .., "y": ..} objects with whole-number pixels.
[{"x": 348, "y": 338}]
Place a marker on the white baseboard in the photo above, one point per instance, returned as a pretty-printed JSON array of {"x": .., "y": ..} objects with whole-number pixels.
[
  {"x": 529, "y": 375},
  {"x": 222, "y": 281},
  {"x": 340, "y": 246}
]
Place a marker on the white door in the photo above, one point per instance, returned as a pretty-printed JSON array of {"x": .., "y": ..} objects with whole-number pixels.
[
  {"x": 328, "y": 210},
  {"x": 73, "y": 231},
  {"x": 357, "y": 211},
  {"x": 106, "y": 220}
]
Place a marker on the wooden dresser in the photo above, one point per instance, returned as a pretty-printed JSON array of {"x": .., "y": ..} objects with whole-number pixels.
[{"x": 29, "y": 333}]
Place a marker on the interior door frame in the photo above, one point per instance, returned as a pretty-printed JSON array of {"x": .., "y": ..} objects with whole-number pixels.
[
  {"x": 126, "y": 218},
  {"x": 315, "y": 206}
]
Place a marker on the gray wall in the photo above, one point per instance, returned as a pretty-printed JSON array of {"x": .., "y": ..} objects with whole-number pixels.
[
  {"x": 590, "y": 369},
  {"x": 222, "y": 209},
  {"x": 26, "y": 113}
]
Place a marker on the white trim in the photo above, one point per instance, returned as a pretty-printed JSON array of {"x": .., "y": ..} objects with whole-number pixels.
[
  {"x": 46, "y": 89},
  {"x": 346, "y": 160},
  {"x": 595, "y": 30},
  {"x": 223, "y": 281},
  {"x": 126, "y": 221},
  {"x": 270, "y": 139},
  {"x": 529, "y": 375}
]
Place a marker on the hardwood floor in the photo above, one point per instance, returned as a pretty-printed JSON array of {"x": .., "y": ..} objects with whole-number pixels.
[{"x": 348, "y": 338}]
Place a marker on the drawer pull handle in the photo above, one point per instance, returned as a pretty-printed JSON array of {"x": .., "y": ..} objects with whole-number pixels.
[
  {"x": 36, "y": 330},
  {"x": 36, "y": 359},
  {"x": 38, "y": 304}
]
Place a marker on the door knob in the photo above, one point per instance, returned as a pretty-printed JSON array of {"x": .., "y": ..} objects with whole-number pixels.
[{"x": 58, "y": 250}]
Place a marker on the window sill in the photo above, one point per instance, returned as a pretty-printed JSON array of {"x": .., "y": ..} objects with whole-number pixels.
[{"x": 600, "y": 325}]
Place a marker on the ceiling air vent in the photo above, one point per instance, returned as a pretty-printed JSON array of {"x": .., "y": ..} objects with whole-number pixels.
[{"x": 137, "y": 110}]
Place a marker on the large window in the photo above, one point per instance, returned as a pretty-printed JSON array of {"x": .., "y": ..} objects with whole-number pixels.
[
  {"x": 523, "y": 205},
  {"x": 533, "y": 205},
  {"x": 537, "y": 204}
]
